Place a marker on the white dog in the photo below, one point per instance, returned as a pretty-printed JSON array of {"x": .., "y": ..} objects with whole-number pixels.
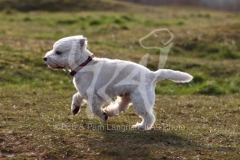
[{"x": 97, "y": 80}]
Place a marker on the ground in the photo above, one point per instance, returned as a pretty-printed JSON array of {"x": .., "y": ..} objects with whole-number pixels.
[{"x": 199, "y": 120}]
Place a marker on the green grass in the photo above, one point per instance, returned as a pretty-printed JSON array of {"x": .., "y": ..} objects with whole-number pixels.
[{"x": 198, "y": 120}]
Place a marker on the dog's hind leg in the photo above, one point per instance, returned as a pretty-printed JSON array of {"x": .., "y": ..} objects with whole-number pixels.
[
  {"x": 119, "y": 105},
  {"x": 144, "y": 112}
]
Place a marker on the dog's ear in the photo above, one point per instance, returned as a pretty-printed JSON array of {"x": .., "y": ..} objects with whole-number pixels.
[{"x": 83, "y": 42}]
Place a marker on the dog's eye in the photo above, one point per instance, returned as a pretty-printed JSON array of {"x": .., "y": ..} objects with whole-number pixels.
[{"x": 58, "y": 52}]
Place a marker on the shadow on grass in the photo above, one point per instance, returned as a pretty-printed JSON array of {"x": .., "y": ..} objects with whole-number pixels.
[
  {"x": 154, "y": 144},
  {"x": 119, "y": 144}
]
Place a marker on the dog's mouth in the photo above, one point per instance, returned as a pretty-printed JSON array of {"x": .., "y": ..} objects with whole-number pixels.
[
  {"x": 56, "y": 67},
  {"x": 53, "y": 65}
]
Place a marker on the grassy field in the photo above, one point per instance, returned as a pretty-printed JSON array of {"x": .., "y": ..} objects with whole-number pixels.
[{"x": 199, "y": 120}]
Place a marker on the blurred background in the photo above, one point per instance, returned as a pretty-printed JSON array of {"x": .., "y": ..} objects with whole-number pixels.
[
  {"x": 227, "y": 5},
  {"x": 70, "y": 5},
  {"x": 206, "y": 36}
]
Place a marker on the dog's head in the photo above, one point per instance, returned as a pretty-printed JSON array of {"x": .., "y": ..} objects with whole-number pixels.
[{"x": 67, "y": 53}]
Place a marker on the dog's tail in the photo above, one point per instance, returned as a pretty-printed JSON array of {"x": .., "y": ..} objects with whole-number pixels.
[{"x": 175, "y": 76}]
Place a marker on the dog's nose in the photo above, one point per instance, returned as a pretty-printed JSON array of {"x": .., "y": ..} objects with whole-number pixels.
[{"x": 45, "y": 59}]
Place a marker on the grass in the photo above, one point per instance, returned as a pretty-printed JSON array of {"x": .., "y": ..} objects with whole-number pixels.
[
  {"x": 39, "y": 124},
  {"x": 198, "y": 120}
]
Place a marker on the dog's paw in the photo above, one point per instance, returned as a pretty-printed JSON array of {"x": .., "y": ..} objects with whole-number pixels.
[
  {"x": 111, "y": 111},
  {"x": 140, "y": 126},
  {"x": 75, "y": 109},
  {"x": 105, "y": 116}
]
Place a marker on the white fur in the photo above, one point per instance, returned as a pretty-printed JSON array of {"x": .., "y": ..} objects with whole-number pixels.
[{"x": 101, "y": 79}]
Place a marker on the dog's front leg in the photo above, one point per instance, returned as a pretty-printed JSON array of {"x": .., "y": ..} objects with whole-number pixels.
[
  {"x": 76, "y": 103},
  {"x": 97, "y": 110},
  {"x": 95, "y": 103},
  {"x": 100, "y": 113}
]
